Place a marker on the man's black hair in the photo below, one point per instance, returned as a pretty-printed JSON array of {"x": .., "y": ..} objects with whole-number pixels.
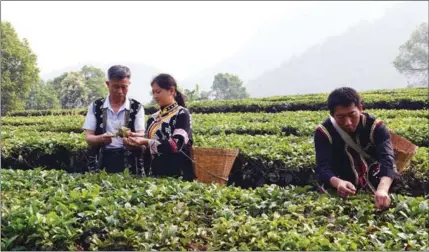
[
  {"x": 343, "y": 96},
  {"x": 118, "y": 72}
]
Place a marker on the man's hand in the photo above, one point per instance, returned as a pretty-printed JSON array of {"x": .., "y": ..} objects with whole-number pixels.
[
  {"x": 382, "y": 199},
  {"x": 381, "y": 196},
  {"x": 97, "y": 140},
  {"x": 106, "y": 138},
  {"x": 344, "y": 188}
]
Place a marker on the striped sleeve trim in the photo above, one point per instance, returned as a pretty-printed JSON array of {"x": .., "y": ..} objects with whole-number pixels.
[
  {"x": 374, "y": 125},
  {"x": 183, "y": 133},
  {"x": 325, "y": 132}
]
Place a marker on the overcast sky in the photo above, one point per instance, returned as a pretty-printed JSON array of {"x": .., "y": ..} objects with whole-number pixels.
[{"x": 177, "y": 37}]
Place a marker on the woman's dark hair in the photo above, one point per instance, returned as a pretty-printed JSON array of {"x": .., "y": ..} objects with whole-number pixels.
[
  {"x": 343, "y": 96},
  {"x": 166, "y": 81}
]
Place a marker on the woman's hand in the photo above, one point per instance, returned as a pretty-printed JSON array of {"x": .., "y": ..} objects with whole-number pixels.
[
  {"x": 130, "y": 143},
  {"x": 135, "y": 142},
  {"x": 134, "y": 134}
]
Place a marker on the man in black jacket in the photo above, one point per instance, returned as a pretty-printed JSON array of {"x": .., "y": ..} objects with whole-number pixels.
[{"x": 339, "y": 165}]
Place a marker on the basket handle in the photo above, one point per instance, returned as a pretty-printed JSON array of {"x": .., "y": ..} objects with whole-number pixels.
[{"x": 225, "y": 179}]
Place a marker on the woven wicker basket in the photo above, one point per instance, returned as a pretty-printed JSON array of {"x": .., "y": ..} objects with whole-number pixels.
[
  {"x": 213, "y": 164},
  {"x": 404, "y": 151}
]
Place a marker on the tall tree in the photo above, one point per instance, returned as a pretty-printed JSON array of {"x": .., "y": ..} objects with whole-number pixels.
[
  {"x": 74, "y": 92},
  {"x": 228, "y": 86},
  {"x": 89, "y": 85},
  {"x": 19, "y": 71},
  {"x": 95, "y": 81},
  {"x": 412, "y": 60},
  {"x": 56, "y": 83},
  {"x": 41, "y": 97},
  {"x": 192, "y": 95},
  {"x": 205, "y": 95}
]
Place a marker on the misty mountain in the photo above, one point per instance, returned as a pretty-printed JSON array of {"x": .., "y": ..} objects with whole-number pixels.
[
  {"x": 360, "y": 58},
  {"x": 282, "y": 39},
  {"x": 141, "y": 76}
]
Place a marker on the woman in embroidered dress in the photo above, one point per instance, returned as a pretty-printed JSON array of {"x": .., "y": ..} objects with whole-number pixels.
[{"x": 168, "y": 136}]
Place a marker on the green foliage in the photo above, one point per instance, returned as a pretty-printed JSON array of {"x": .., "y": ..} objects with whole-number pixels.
[
  {"x": 19, "y": 70},
  {"x": 412, "y": 60},
  {"x": 56, "y": 83},
  {"x": 74, "y": 93},
  {"x": 411, "y": 124},
  {"x": 274, "y": 147},
  {"x": 196, "y": 94},
  {"x": 48, "y": 112},
  {"x": 405, "y": 98},
  {"x": 95, "y": 81},
  {"x": 52, "y": 210},
  {"x": 205, "y": 95},
  {"x": 41, "y": 97},
  {"x": 228, "y": 86},
  {"x": 272, "y": 158},
  {"x": 78, "y": 89},
  {"x": 192, "y": 95}
]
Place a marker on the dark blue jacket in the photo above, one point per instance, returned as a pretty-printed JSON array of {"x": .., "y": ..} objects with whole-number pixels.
[{"x": 335, "y": 158}]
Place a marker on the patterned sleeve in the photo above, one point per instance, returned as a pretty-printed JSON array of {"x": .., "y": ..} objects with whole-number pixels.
[
  {"x": 322, "y": 142},
  {"x": 180, "y": 137},
  {"x": 384, "y": 150}
]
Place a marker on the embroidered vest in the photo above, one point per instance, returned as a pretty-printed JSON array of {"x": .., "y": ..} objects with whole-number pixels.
[
  {"x": 101, "y": 115},
  {"x": 94, "y": 155}
]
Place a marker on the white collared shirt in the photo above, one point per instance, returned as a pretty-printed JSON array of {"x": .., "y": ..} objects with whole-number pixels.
[{"x": 114, "y": 121}]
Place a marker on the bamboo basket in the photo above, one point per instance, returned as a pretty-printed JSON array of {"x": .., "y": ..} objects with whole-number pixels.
[
  {"x": 213, "y": 164},
  {"x": 404, "y": 151}
]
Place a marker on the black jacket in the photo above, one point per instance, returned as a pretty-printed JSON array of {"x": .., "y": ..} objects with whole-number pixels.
[
  {"x": 335, "y": 158},
  {"x": 164, "y": 156}
]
